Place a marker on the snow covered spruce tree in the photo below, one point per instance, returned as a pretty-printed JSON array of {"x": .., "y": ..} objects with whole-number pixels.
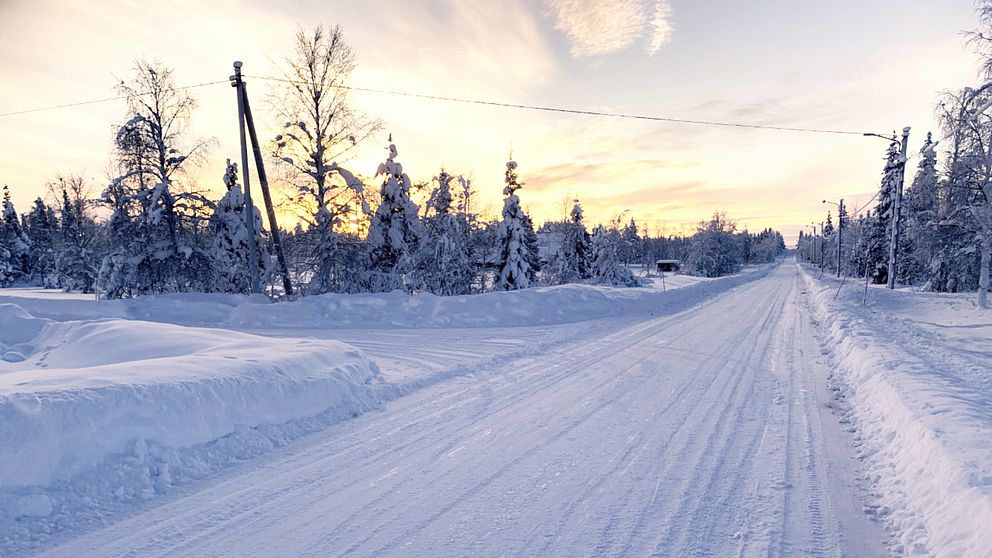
[
  {"x": 607, "y": 264},
  {"x": 320, "y": 128},
  {"x": 395, "y": 231},
  {"x": 229, "y": 251},
  {"x": 42, "y": 230},
  {"x": 877, "y": 226},
  {"x": 155, "y": 247},
  {"x": 919, "y": 217},
  {"x": 514, "y": 268},
  {"x": 17, "y": 260},
  {"x": 570, "y": 262},
  {"x": 443, "y": 262}
]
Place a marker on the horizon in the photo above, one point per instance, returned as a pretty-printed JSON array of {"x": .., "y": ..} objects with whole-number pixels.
[{"x": 618, "y": 57}]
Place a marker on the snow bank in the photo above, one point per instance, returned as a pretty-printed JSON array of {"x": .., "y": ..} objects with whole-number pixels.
[
  {"x": 527, "y": 307},
  {"x": 537, "y": 306},
  {"x": 118, "y": 408},
  {"x": 924, "y": 440}
]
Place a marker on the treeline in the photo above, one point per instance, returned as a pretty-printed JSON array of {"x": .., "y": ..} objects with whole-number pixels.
[
  {"x": 944, "y": 240},
  {"x": 152, "y": 230}
]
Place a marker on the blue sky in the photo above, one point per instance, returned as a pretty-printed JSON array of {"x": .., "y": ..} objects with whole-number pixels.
[{"x": 843, "y": 64}]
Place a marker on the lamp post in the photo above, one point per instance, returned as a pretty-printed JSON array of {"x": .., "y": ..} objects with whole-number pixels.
[
  {"x": 896, "y": 203},
  {"x": 840, "y": 230}
]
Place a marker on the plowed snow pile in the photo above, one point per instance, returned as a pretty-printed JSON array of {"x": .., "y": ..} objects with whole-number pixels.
[
  {"x": 120, "y": 409},
  {"x": 913, "y": 373}
]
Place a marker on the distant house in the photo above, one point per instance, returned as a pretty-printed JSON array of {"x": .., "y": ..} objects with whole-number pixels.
[{"x": 669, "y": 266}]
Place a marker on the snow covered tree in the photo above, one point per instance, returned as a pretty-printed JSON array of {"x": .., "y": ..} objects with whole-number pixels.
[
  {"x": 42, "y": 229},
  {"x": 74, "y": 258},
  {"x": 570, "y": 262},
  {"x": 714, "y": 251},
  {"x": 533, "y": 251},
  {"x": 443, "y": 262},
  {"x": 514, "y": 269},
  {"x": 919, "y": 217},
  {"x": 155, "y": 250},
  {"x": 876, "y": 244},
  {"x": 17, "y": 262},
  {"x": 395, "y": 230},
  {"x": 230, "y": 251},
  {"x": 631, "y": 247},
  {"x": 607, "y": 267},
  {"x": 321, "y": 128}
]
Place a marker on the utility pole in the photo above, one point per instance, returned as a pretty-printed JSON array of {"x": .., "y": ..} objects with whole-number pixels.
[
  {"x": 896, "y": 206},
  {"x": 840, "y": 233},
  {"x": 269, "y": 208},
  {"x": 246, "y": 121},
  {"x": 249, "y": 214}
]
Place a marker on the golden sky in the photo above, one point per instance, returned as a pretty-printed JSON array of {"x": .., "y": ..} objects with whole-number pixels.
[{"x": 850, "y": 65}]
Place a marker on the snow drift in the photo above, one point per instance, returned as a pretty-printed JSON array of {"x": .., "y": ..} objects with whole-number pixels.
[
  {"x": 922, "y": 439},
  {"x": 537, "y": 306},
  {"x": 99, "y": 402}
]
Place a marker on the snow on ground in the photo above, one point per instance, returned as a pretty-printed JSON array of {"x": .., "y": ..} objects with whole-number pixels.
[
  {"x": 104, "y": 404},
  {"x": 102, "y": 412},
  {"x": 913, "y": 370},
  {"x": 699, "y": 433}
]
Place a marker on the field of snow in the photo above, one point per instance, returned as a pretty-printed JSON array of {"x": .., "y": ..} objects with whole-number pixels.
[
  {"x": 770, "y": 413},
  {"x": 107, "y": 404},
  {"x": 913, "y": 373}
]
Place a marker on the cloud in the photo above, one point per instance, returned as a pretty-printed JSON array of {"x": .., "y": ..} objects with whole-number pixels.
[
  {"x": 661, "y": 26},
  {"x": 606, "y": 26}
]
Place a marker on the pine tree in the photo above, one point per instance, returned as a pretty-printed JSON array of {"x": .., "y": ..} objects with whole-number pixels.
[
  {"x": 230, "y": 251},
  {"x": 607, "y": 267},
  {"x": 631, "y": 242},
  {"x": 533, "y": 252},
  {"x": 73, "y": 253},
  {"x": 443, "y": 263},
  {"x": 395, "y": 231},
  {"x": 877, "y": 242},
  {"x": 919, "y": 216},
  {"x": 42, "y": 229},
  {"x": 15, "y": 240},
  {"x": 570, "y": 262},
  {"x": 515, "y": 257}
]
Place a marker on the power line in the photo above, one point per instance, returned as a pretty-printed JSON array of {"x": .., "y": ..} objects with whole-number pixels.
[
  {"x": 579, "y": 111},
  {"x": 95, "y": 101}
]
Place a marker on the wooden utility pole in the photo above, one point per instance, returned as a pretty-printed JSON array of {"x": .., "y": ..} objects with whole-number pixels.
[
  {"x": 896, "y": 206},
  {"x": 246, "y": 121},
  {"x": 269, "y": 208},
  {"x": 840, "y": 234},
  {"x": 249, "y": 213}
]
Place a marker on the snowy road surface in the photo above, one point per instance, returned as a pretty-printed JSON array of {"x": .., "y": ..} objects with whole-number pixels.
[{"x": 706, "y": 433}]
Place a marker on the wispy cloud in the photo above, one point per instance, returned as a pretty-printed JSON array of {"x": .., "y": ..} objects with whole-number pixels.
[
  {"x": 661, "y": 26},
  {"x": 606, "y": 26}
]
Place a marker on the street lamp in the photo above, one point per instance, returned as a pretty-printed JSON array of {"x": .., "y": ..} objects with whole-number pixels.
[
  {"x": 896, "y": 203},
  {"x": 840, "y": 230}
]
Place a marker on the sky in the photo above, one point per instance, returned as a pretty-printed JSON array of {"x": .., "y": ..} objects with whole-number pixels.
[{"x": 844, "y": 65}]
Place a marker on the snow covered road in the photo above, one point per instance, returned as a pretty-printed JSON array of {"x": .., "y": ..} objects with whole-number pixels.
[{"x": 705, "y": 433}]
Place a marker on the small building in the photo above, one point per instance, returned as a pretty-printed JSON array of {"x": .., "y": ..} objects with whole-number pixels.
[{"x": 668, "y": 266}]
